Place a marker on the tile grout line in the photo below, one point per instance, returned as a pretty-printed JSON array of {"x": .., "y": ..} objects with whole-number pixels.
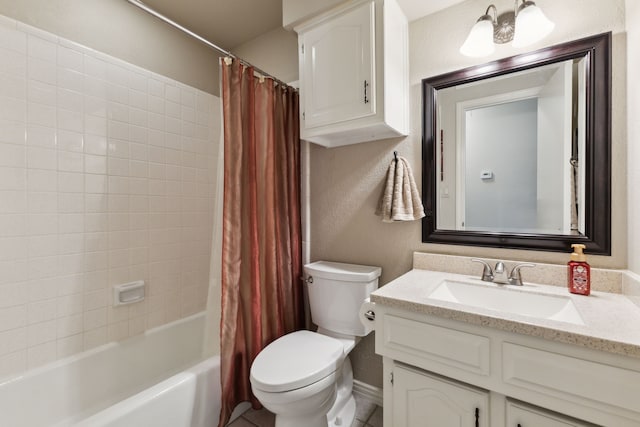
[
  {"x": 375, "y": 408},
  {"x": 250, "y": 422}
]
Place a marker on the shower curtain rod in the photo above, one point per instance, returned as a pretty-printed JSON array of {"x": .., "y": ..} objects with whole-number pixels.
[{"x": 201, "y": 39}]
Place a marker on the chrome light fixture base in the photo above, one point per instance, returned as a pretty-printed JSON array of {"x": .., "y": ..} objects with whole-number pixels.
[
  {"x": 504, "y": 28},
  {"x": 524, "y": 25}
]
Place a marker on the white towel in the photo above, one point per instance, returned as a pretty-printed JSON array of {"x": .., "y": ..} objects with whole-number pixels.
[{"x": 400, "y": 200}]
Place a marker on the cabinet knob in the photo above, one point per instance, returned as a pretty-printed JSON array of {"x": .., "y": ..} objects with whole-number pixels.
[{"x": 477, "y": 417}]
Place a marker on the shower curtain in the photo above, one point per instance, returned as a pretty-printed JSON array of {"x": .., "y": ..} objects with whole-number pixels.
[{"x": 261, "y": 237}]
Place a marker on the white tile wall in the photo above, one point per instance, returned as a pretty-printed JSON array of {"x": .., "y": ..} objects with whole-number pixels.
[{"x": 106, "y": 176}]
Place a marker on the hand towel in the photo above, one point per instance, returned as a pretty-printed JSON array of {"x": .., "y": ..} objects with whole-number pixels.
[{"x": 400, "y": 200}]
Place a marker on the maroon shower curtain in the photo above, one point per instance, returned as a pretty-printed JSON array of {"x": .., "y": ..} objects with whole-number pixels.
[{"x": 261, "y": 243}]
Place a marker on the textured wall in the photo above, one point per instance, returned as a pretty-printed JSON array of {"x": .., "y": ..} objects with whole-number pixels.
[
  {"x": 346, "y": 182},
  {"x": 106, "y": 176},
  {"x": 273, "y": 52},
  {"x": 296, "y": 11},
  {"x": 120, "y": 29}
]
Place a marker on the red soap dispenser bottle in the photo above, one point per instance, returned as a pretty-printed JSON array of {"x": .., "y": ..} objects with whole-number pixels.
[{"x": 579, "y": 271}]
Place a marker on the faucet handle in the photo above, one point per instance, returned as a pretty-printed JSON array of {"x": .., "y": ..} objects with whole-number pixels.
[
  {"x": 487, "y": 272},
  {"x": 515, "y": 278}
]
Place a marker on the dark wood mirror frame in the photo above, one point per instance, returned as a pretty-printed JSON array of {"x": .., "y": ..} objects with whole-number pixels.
[{"x": 597, "y": 236}]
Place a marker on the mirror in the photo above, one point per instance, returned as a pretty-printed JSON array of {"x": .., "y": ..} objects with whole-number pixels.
[{"x": 517, "y": 152}]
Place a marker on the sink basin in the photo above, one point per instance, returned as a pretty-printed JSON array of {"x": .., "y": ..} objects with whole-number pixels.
[{"x": 541, "y": 306}]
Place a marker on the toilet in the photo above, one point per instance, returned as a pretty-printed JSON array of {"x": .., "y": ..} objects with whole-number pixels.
[{"x": 305, "y": 378}]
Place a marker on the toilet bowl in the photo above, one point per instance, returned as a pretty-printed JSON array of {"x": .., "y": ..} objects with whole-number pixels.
[
  {"x": 295, "y": 378},
  {"x": 305, "y": 378}
]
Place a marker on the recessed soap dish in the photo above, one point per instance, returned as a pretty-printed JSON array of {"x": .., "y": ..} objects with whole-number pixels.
[{"x": 128, "y": 293}]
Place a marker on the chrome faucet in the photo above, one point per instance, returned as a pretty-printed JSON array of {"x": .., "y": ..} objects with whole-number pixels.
[
  {"x": 515, "y": 278},
  {"x": 487, "y": 272},
  {"x": 499, "y": 273}
]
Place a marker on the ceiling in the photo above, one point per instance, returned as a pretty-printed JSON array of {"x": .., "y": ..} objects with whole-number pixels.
[{"x": 230, "y": 23}]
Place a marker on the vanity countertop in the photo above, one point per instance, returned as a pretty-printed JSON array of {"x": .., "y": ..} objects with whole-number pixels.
[{"x": 611, "y": 321}]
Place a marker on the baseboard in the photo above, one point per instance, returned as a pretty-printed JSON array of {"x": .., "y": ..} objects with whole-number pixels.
[{"x": 367, "y": 391}]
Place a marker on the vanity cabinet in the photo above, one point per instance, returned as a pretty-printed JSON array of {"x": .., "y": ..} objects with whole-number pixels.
[
  {"x": 353, "y": 67},
  {"x": 523, "y": 415},
  {"x": 442, "y": 369},
  {"x": 424, "y": 400}
]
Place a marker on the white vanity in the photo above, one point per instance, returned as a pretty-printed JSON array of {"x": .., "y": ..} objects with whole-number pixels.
[{"x": 515, "y": 356}]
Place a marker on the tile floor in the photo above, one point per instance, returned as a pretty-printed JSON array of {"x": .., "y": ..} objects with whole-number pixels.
[{"x": 368, "y": 414}]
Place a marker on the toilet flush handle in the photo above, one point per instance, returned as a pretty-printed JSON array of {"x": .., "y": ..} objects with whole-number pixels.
[
  {"x": 370, "y": 315},
  {"x": 307, "y": 280}
]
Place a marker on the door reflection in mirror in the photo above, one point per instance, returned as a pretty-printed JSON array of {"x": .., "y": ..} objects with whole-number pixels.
[{"x": 510, "y": 161}]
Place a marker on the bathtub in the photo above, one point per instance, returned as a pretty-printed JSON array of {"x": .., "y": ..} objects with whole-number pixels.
[{"x": 157, "y": 379}]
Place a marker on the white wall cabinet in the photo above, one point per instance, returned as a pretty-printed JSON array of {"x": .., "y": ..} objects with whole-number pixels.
[
  {"x": 354, "y": 73},
  {"x": 423, "y": 400},
  {"x": 338, "y": 68},
  {"x": 438, "y": 371}
]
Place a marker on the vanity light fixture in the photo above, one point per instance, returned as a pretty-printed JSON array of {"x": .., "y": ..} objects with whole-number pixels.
[{"x": 525, "y": 25}]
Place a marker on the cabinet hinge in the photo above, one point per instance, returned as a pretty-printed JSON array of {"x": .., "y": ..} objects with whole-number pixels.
[
  {"x": 302, "y": 49},
  {"x": 391, "y": 378},
  {"x": 303, "y": 115}
]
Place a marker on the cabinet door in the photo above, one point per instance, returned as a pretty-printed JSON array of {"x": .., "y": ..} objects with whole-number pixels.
[
  {"x": 523, "y": 415},
  {"x": 420, "y": 399},
  {"x": 338, "y": 68}
]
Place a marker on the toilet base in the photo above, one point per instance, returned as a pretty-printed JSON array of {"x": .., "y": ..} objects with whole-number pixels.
[
  {"x": 346, "y": 416},
  {"x": 343, "y": 411},
  {"x": 306, "y": 422},
  {"x": 316, "y": 418}
]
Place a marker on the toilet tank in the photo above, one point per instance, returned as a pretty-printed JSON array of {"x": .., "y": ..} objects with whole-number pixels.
[{"x": 336, "y": 292}]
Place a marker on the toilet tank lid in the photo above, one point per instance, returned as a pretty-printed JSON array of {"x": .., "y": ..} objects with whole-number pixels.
[{"x": 342, "y": 271}]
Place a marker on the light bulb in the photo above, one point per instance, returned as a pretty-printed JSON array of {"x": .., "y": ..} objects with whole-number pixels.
[
  {"x": 531, "y": 25},
  {"x": 479, "y": 42}
]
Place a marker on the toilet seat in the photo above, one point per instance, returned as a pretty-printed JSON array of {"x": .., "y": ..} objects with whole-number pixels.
[{"x": 296, "y": 360}]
